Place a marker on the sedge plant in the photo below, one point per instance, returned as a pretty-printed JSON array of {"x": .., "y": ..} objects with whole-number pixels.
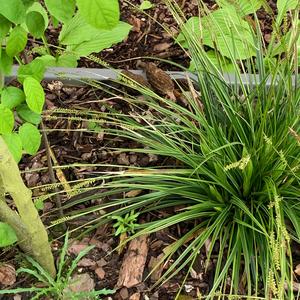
[
  {"x": 235, "y": 172},
  {"x": 234, "y": 175}
]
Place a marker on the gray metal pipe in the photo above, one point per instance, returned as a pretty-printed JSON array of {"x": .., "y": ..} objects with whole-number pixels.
[{"x": 77, "y": 76}]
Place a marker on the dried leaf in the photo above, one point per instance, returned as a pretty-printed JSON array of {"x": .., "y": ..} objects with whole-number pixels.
[
  {"x": 86, "y": 262},
  {"x": 76, "y": 247},
  {"x": 7, "y": 274},
  {"x": 80, "y": 283},
  {"x": 297, "y": 270},
  {"x": 161, "y": 47},
  {"x": 100, "y": 273},
  {"x": 135, "y": 296}
]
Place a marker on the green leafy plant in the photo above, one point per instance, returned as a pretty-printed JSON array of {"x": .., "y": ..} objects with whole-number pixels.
[
  {"x": 228, "y": 32},
  {"x": 127, "y": 224},
  {"x": 146, "y": 5},
  {"x": 58, "y": 287},
  {"x": 83, "y": 32},
  {"x": 8, "y": 235},
  {"x": 233, "y": 174}
]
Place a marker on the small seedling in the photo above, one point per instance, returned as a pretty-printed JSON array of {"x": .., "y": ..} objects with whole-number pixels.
[
  {"x": 127, "y": 224},
  {"x": 146, "y": 5},
  {"x": 56, "y": 288}
]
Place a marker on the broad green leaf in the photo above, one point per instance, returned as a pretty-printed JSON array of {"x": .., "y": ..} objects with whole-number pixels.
[
  {"x": 35, "y": 69},
  {"x": 28, "y": 3},
  {"x": 12, "y": 97},
  {"x": 7, "y": 235},
  {"x": 6, "y": 120},
  {"x": 55, "y": 22},
  {"x": 39, "y": 204},
  {"x": 48, "y": 60},
  {"x": 14, "y": 144},
  {"x": 35, "y": 96},
  {"x": 223, "y": 64},
  {"x": 102, "y": 40},
  {"x": 76, "y": 31},
  {"x": 146, "y": 5},
  {"x": 64, "y": 60},
  {"x": 37, "y": 7},
  {"x": 26, "y": 114},
  {"x": 4, "y": 26},
  {"x": 6, "y": 63},
  {"x": 13, "y": 10},
  {"x": 102, "y": 14},
  {"x": 232, "y": 36},
  {"x": 67, "y": 60},
  {"x": 16, "y": 41},
  {"x": 35, "y": 24},
  {"x": 243, "y": 7},
  {"x": 30, "y": 137},
  {"x": 62, "y": 10}
]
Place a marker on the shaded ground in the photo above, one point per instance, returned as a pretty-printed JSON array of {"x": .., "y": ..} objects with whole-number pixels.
[
  {"x": 71, "y": 143},
  {"x": 71, "y": 146}
]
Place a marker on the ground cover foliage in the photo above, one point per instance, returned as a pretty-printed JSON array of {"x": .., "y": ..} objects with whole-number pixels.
[
  {"x": 236, "y": 176},
  {"x": 235, "y": 154}
]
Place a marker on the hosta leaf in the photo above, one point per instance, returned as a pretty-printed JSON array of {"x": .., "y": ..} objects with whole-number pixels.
[
  {"x": 6, "y": 63},
  {"x": 28, "y": 115},
  {"x": 6, "y": 120},
  {"x": 13, "y": 10},
  {"x": 16, "y": 41},
  {"x": 12, "y": 97},
  {"x": 62, "y": 10},
  {"x": 35, "y": 96},
  {"x": 14, "y": 144},
  {"x": 103, "y": 39},
  {"x": 35, "y": 69},
  {"x": 4, "y": 27},
  {"x": 243, "y": 7},
  {"x": 102, "y": 14},
  {"x": 30, "y": 137},
  {"x": 7, "y": 235},
  {"x": 232, "y": 36},
  {"x": 76, "y": 31}
]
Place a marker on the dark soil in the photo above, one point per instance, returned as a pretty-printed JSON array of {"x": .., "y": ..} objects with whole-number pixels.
[
  {"x": 72, "y": 143},
  {"x": 148, "y": 37}
]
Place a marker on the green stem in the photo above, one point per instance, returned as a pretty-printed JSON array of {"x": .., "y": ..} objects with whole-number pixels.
[
  {"x": 46, "y": 44},
  {"x": 18, "y": 59},
  {"x": 13, "y": 184}
]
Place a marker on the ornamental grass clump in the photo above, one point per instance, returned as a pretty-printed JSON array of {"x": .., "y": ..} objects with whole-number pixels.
[{"x": 235, "y": 173}]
